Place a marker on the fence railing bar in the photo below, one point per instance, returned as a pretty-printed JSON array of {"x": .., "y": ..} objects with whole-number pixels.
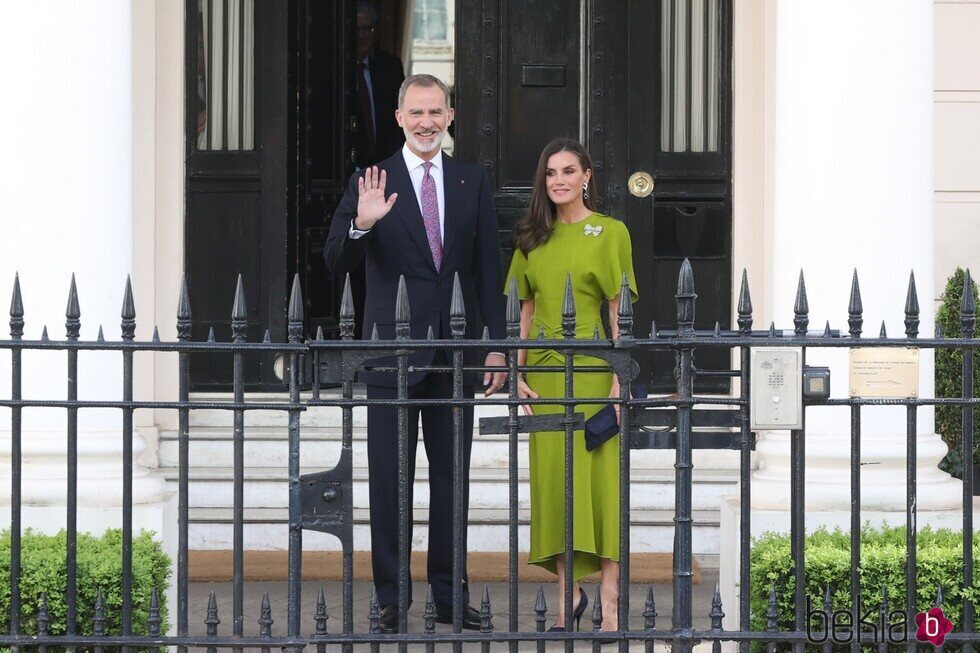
[
  {"x": 683, "y": 478},
  {"x": 513, "y": 333},
  {"x": 402, "y": 332},
  {"x": 183, "y": 462},
  {"x": 238, "y": 330},
  {"x": 457, "y": 327},
  {"x": 16, "y": 332},
  {"x": 967, "y": 323},
  {"x": 745, "y": 463},
  {"x": 128, "y": 327},
  {"x": 855, "y": 564},
  {"x": 72, "y": 327},
  {"x": 568, "y": 330},
  {"x": 346, "y": 324},
  {"x": 295, "y": 573}
]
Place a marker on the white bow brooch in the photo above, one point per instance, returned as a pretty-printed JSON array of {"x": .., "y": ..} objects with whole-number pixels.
[{"x": 593, "y": 231}]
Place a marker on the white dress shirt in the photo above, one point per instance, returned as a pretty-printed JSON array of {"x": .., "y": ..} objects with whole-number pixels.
[{"x": 416, "y": 171}]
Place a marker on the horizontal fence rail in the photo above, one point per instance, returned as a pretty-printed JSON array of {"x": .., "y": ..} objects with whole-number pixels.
[{"x": 323, "y": 501}]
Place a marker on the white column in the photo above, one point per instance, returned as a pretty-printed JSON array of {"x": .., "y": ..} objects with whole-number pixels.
[
  {"x": 66, "y": 205},
  {"x": 853, "y": 189}
]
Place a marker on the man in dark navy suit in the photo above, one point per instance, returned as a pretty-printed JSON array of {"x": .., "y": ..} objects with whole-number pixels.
[
  {"x": 378, "y": 75},
  {"x": 425, "y": 216}
]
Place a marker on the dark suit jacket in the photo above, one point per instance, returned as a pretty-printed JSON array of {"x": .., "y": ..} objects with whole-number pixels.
[
  {"x": 387, "y": 76},
  {"x": 397, "y": 245}
]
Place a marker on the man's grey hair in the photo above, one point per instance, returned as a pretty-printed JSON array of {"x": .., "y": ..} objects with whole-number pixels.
[
  {"x": 369, "y": 8},
  {"x": 423, "y": 80}
]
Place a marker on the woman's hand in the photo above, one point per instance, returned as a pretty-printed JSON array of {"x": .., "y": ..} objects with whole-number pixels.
[
  {"x": 614, "y": 394},
  {"x": 524, "y": 391}
]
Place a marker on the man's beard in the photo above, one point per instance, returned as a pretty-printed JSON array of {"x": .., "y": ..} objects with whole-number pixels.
[{"x": 425, "y": 148}]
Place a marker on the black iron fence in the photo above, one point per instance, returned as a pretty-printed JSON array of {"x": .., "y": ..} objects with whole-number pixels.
[{"x": 323, "y": 501}]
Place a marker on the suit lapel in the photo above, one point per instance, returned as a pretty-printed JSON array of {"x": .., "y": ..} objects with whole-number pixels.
[
  {"x": 453, "y": 188},
  {"x": 407, "y": 206}
]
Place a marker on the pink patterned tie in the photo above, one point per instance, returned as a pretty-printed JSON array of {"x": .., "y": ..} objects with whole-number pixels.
[{"x": 430, "y": 215}]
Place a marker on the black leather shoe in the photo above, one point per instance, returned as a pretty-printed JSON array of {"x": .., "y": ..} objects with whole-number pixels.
[
  {"x": 471, "y": 617},
  {"x": 388, "y": 623}
]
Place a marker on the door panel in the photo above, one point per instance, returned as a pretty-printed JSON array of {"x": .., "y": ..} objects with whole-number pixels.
[
  {"x": 323, "y": 160},
  {"x": 235, "y": 72},
  {"x": 656, "y": 87}
]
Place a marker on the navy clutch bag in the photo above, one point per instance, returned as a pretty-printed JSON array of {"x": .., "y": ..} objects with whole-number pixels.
[{"x": 602, "y": 426}]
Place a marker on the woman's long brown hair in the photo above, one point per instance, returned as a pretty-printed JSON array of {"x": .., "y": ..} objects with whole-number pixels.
[{"x": 535, "y": 226}]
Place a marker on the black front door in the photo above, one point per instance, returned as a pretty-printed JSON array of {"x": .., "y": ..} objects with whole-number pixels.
[
  {"x": 236, "y": 190},
  {"x": 646, "y": 85}
]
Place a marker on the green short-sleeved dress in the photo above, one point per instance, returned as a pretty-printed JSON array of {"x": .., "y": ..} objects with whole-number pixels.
[{"x": 596, "y": 251}]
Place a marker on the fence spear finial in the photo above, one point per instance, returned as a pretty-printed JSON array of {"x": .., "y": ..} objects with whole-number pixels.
[
  {"x": 73, "y": 313},
  {"x": 597, "y": 611},
  {"x": 968, "y": 308},
  {"x": 346, "y": 312},
  {"x": 540, "y": 610},
  {"x": 884, "y": 332},
  {"x": 153, "y": 619},
  {"x": 486, "y": 616},
  {"x": 320, "y": 617},
  {"x": 319, "y": 333},
  {"x": 294, "y": 316},
  {"x": 457, "y": 310},
  {"x": 855, "y": 309},
  {"x": 826, "y": 329},
  {"x": 625, "y": 315},
  {"x": 649, "y": 610},
  {"x": 98, "y": 615},
  {"x": 745, "y": 306},
  {"x": 912, "y": 309},
  {"x": 685, "y": 298},
  {"x": 403, "y": 312},
  {"x": 16, "y": 311},
  {"x": 568, "y": 308},
  {"x": 184, "y": 312},
  {"x": 211, "y": 620},
  {"x": 128, "y": 323},
  {"x": 265, "y": 617},
  {"x": 429, "y": 615},
  {"x": 210, "y": 334},
  {"x": 513, "y": 310},
  {"x": 716, "y": 614},
  {"x": 801, "y": 308},
  {"x": 374, "y": 614},
  {"x": 239, "y": 313}
]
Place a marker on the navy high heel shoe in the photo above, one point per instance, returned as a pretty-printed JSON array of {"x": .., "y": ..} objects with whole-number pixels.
[{"x": 583, "y": 602}]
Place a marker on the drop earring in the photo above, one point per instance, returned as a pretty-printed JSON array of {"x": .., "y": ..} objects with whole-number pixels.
[{"x": 585, "y": 191}]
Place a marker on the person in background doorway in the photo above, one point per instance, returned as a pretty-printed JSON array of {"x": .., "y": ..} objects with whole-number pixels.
[{"x": 378, "y": 77}]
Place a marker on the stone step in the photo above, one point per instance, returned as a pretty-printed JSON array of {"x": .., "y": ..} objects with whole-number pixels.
[
  {"x": 266, "y": 487},
  {"x": 267, "y": 529},
  {"x": 212, "y": 446}
]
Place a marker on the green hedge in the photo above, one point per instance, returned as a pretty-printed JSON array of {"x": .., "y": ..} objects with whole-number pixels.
[
  {"x": 939, "y": 558},
  {"x": 43, "y": 569},
  {"x": 949, "y": 378}
]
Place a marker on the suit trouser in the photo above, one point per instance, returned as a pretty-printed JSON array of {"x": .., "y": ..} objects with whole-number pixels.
[{"x": 437, "y": 430}]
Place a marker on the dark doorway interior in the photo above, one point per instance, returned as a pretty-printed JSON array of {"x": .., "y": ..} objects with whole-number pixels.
[{"x": 644, "y": 83}]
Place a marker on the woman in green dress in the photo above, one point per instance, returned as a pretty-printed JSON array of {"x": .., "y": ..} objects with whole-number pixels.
[{"x": 562, "y": 234}]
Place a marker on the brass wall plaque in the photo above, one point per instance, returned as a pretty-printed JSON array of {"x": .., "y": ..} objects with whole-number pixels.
[{"x": 884, "y": 372}]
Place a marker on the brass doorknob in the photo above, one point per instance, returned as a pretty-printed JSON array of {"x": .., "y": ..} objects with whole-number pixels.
[{"x": 640, "y": 184}]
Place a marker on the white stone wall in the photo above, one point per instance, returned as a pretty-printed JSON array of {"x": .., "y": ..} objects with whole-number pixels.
[{"x": 957, "y": 137}]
